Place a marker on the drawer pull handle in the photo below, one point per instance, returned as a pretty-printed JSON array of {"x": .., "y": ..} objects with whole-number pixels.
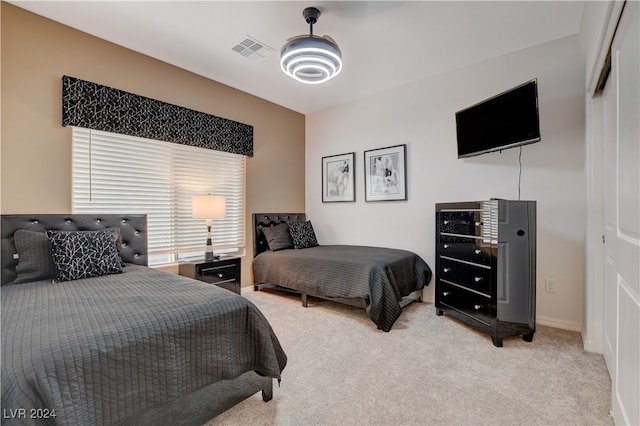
[
  {"x": 478, "y": 223},
  {"x": 446, "y": 270},
  {"x": 215, "y": 268},
  {"x": 477, "y": 279},
  {"x": 477, "y": 307},
  {"x": 446, "y": 246},
  {"x": 477, "y": 251},
  {"x": 445, "y": 222},
  {"x": 445, "y": 294}
]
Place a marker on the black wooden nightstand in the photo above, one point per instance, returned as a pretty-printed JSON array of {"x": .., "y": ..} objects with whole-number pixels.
[{"x": 224, "y": 273}]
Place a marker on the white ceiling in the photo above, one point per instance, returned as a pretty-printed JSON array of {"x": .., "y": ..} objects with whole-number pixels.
[{"x": 384, "y": 44}]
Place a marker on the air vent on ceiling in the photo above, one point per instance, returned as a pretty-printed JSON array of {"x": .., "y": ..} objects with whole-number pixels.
[{"x": 249, "y": 47}]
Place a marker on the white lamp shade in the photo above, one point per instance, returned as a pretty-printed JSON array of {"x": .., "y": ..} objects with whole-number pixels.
[{"x": 209, "y": 206}]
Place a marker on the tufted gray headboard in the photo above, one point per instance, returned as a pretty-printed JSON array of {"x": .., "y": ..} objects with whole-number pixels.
[
  {"x": 261, "y": 220},
  {"x": 134, "y": 234}
]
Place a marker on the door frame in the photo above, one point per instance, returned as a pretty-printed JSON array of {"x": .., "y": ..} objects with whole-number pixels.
[{"x": 593, "y": 328}]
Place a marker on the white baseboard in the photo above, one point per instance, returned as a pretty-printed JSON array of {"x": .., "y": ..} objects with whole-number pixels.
[
  {"x": 564, "y": 325},
  {"x": 590, "y": 346},
  {"x": 246, "y": 289}
]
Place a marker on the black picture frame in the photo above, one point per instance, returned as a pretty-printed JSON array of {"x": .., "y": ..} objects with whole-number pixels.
[
  {"x": 385, "y": 173},
  {"x": 338, "y": 178}
]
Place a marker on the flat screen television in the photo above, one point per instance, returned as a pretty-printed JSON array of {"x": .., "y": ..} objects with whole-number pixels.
[{"x": 504, "y": 121}]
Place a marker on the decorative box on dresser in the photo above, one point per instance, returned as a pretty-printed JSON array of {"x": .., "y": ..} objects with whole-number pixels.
[
  {"x": 224, "y": 273},
  {"x": 486, "y": 266}
]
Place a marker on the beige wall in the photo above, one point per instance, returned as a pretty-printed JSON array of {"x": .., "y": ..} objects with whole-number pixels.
[{"x": 36, "y": 149}]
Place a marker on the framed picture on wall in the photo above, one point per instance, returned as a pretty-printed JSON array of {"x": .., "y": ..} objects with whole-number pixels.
[
  {"x": 338, "y": 178},
  {"x": 385, "y": 174}
]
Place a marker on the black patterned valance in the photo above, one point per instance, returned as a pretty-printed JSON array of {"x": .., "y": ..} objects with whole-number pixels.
[{"x": 92, "y": 106}]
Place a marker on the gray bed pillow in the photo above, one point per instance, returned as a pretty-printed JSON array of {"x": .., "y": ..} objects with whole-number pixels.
[
  {"x": 84, "y": 254},
  {"x": 302, "y": 235},
  {"x": 117, "y": 234},
  {"x": 34, "y": 256},
  {"x": 278, "y": 237}
]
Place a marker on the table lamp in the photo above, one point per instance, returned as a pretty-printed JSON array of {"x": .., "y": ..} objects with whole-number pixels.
[{"x": 209, "y": 207}]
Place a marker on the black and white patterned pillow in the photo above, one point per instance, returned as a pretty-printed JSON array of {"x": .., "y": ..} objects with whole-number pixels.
[
  {"x": 302, "y": 235},
  {"x": 84, "y": 254}
]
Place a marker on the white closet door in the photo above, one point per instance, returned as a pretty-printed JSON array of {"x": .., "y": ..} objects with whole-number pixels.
[{"x": 621, "y": 149}]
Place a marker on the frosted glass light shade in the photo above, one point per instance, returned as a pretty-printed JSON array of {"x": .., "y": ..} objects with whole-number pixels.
[{"x": 311, "y": 59}]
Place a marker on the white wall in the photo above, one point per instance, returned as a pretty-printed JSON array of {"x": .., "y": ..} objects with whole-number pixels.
[{"x": 421, "y": 115}]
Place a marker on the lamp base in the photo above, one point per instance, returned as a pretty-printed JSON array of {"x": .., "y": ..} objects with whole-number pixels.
[
  {"x": 208, "y": 248},
  {"x": 209, "y": 256}
]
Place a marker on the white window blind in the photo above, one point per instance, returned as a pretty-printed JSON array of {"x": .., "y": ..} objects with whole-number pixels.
[{"x": 114, "y": 173}]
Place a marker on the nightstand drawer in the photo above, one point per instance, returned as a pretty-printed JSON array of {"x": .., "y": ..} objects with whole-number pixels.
[
  {"x": 224, "y": 273},
  {"x": 216, "y": 274}
]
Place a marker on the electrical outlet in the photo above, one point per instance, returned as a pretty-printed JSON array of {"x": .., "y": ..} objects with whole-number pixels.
[{"x": 550, "y": 285}]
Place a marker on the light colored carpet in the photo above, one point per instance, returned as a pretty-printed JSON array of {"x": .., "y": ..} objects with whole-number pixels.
[{"x": 427, "y": 370}]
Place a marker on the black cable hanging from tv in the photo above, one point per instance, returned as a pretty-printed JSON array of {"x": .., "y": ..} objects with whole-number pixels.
[{"x": 520, "y": 172}]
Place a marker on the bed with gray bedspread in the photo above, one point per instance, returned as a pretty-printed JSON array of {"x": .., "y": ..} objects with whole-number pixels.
[
  {"x": 112, "y": 349},
  {"x": 378, "y": 277}
]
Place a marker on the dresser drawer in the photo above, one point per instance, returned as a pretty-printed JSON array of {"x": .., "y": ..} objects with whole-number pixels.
[
  {"x": 474, "y": 277},
  {"x": 461, "y": 222},
  {"x": 469, "y": 303},
  {"x": 467, "y": 249}
]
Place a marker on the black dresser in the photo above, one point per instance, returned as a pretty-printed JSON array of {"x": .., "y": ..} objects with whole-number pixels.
[{"x": 486, "y": 265}]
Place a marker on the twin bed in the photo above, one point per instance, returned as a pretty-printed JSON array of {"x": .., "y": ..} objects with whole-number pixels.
[
  {"x": 380, "y": 280},
  {"x": 137, "y": 347}
]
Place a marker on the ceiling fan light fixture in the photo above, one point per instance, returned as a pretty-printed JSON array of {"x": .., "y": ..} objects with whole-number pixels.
[{"x": 311, "y": 59}]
